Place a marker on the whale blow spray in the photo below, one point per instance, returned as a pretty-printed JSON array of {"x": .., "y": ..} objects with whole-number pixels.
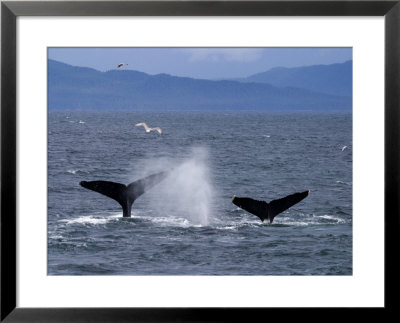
[{"x": 187, "y": 192}]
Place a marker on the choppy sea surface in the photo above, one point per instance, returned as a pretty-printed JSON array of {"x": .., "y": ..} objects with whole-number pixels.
[{"x": 187, "y": 224}]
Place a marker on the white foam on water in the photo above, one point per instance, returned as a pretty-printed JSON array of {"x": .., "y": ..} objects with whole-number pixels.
[
  {"x": 166, "y": 220},
  {"x": 332, "y": 218},
  {"x": 294, "y": 223},
  {"x": 310, "y": 219},
  {"x": 91, "y": 219},
  {"x": 175, "y": 222},
  {"x": 54, "y": 235}
]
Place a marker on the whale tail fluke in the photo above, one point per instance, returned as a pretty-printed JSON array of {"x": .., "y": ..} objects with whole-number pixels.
[
  {"x": 269, "y": 210},
  {"x": 110, "y": 189},
  {"x": 259, "y": 208},
  {"x": 139, "y": 187},
  {"x": 125, "y": 195}
]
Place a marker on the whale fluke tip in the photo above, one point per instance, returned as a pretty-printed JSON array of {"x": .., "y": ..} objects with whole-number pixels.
[{"x": 233, "y": 197}]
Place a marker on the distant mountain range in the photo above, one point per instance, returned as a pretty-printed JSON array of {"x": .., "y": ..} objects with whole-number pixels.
[
  {"x": 334, "y": 79},
  {"x": 72, "y": 88}
]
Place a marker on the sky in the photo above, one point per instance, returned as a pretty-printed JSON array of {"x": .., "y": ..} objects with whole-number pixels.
[{"x": 204, "y": 63}]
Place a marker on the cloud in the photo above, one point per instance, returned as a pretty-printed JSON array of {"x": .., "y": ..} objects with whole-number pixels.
[{"x": 224, "y": 54}]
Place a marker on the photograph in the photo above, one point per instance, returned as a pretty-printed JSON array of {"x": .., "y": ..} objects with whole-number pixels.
[{"x": 189, "y": 161}]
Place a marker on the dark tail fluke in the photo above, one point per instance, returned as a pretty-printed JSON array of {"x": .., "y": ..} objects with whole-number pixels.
[
  {"x": 125, "y": 195},
  {"x": 280, "y": 205},
  {"x": 259, "y": 208},
  {"x": 269, "y": 210}
]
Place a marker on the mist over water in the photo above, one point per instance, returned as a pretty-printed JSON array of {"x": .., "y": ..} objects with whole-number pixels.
[
  {"x": 187, "y": 224},
  {"x": 187, "y": 192}
]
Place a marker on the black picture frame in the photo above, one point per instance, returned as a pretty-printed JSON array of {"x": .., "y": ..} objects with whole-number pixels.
[{"x": 10, "y": 10}]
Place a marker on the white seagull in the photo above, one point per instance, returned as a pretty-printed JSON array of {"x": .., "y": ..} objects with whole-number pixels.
[
  {"x": 148, "y": 129},
  {"x": 121, "y": 64}
]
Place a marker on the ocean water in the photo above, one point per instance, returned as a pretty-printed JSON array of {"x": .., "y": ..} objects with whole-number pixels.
[{"x": 187, "y": 224}]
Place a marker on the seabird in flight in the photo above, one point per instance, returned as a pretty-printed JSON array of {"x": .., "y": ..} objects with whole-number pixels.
[{"x": 148, "y": 129}]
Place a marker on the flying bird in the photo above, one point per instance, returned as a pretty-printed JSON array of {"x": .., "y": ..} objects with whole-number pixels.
[
  {"x": 269, "y": 210},
  {"x": 148, "y": 129},
  {"x": 121, "y": 64}
]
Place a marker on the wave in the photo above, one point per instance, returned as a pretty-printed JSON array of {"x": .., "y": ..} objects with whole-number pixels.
[
  {"x": 116, "y": 217},
  {"x": 174, "y": 221},
  {"x": 331, "y": 218},
  {"x": 91, "y": 219},
  {"x": 233, "y": 220},
  {"x": 76, "y": 172},
  {"x": 343, "y": 183}
]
